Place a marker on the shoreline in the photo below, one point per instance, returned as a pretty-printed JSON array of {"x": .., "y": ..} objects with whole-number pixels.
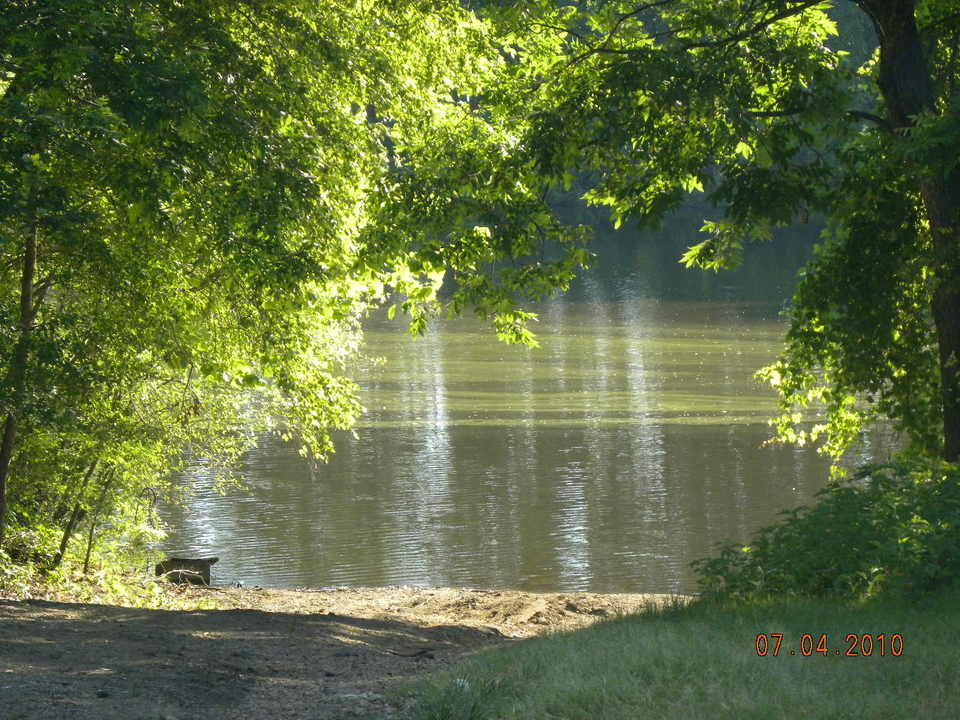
[{"x": 317, "y": 653}]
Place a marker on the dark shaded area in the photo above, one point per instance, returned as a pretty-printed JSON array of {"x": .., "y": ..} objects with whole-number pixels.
[
  {"x": 93, "y": 661},
  {"x": 634, "y": 263},
  {"x": 186, "y": 570}
]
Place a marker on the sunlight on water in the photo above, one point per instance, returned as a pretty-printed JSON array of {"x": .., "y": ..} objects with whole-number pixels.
[{"x": 625, "y": 447}]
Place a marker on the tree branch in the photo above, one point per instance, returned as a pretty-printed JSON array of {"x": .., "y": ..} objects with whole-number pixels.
[
  {"x": 754, "y": 29},
  {"x": 602, "y": 46},
  {"x": 938, "y": 22},
  {"x": 861, "y": 115},
  {"x": 636, "y": 12},
  {"x": 569, "y": 31},
  {"x": 39, "y": 292},
  {"x": 773, "y": 113}
]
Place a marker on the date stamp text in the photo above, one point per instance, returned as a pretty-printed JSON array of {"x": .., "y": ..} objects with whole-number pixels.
[{"x": 854, "y": 645}]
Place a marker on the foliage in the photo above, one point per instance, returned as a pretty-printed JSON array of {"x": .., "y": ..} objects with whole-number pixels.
[
  {"x": 200, "y": 201},
  {"x": 15, "y": 576},
  {"x": 764, "y": 108},
  {"x": 104, "y": 586},
  {"x": 114, "y": 144},
  {"x": 112, "y": 587},
  {"x": 890, "y": 527},
  {"x": 213, "y": 195},
  {"x": 859, "y": 342}
]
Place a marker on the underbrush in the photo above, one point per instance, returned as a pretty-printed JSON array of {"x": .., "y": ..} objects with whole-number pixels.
[
  {"x": 889, "y": 529},
  {"x": 111, "y": 578},
  {"x": 102, "y": 587}
]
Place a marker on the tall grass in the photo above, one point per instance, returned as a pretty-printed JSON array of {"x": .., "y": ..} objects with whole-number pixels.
[{"x": 701, "y": 662}]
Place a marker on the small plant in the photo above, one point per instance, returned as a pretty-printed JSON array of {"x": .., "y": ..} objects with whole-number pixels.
[
  {"x": 14, "y": 577},
  {"x": 465, "y": 699},
  {"x": 892, "y": 527}
]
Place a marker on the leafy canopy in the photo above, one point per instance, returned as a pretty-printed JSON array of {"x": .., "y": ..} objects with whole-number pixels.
[
  {"x": 774, "y": 112},
  {"x": 216, "y": 193}
]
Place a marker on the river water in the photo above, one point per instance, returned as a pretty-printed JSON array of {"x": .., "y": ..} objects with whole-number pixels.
[{"x": 628, "y": 445}]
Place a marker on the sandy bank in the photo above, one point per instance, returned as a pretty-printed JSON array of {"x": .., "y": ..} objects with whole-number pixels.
[{"x": 264, "y": 653}]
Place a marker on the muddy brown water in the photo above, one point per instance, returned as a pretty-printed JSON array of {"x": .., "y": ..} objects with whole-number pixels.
[{"x": 628, "y": 445}]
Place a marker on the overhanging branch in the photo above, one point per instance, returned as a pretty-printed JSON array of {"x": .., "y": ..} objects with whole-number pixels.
[
  {"x": 858, "y": 114},
  {"x": 883, "y": 123},
  {"x": 755, "y": 28}
]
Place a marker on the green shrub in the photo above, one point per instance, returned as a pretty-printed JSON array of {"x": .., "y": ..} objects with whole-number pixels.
[
  {"x": 15, "y": 577},
  {"x": 892, "y": 527}
]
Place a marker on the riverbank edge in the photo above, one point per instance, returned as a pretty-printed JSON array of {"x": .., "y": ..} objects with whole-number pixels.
[
  {"x": 332, "y": 653},
  {"x": 822, "y": 657},
  {"x": 148, "y": 593}
]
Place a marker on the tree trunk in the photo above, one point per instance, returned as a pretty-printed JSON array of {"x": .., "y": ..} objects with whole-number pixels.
[
  {"x": 17, "y": 373},
  {"x": 907, "y": 89},
  {"x": 943, "y": 209},
  {"x": 74, "y": 518},
  {"x": 94, "y": 517}
]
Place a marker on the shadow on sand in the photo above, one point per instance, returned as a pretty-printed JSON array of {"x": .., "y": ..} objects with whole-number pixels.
[{"x": 62, "y": 660}]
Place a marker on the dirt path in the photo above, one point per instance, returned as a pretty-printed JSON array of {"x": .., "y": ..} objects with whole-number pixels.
[{"x": 265, "y": 653}]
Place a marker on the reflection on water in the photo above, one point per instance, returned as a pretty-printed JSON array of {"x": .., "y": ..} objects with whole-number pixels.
[{"x": 625, "y": 447}]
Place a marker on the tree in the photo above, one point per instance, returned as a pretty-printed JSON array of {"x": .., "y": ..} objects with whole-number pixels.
[
  {"x": 199, "y": 201},
  {"x": 187, "y": 194},
  {"x": 754, "y": 104},
  {"x": 120, "y": 125}
]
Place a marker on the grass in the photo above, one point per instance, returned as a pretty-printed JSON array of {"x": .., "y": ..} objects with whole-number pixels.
[{"x": 701, "y": 662}]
